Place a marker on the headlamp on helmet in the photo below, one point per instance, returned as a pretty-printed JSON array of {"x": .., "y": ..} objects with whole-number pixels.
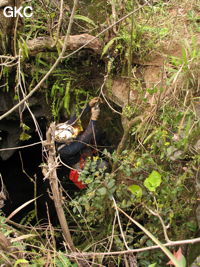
[{"x": 65, "y": 133}]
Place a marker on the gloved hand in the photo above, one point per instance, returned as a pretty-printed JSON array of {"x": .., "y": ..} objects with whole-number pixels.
[
  {"x": 95, "y": 113},
  {"x": 94, "y": 101}
]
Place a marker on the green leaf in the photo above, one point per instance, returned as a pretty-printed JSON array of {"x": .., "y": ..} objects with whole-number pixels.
[
  {"x": 109, "y": 44},
  {"x": 102, "y": 191},
  {"x": 23, "y": 46},
  {"x": 111, "y": 183},
  {"x": 86, "y": 19},
  {"x": 67, "y": 97},
  {"x": 63, "y": 261},
  {"x": 24, "y": 136},
  {"x": 153, "y": 181},
  {"x": 182, "y": 261},
  {"x": 20, "y": 261},
  {"x": 24, "y": 127},
  {"x": 88, "y": 181},
  {"x": 152, "y": 265},
  {"x": 135, "y": 190}
]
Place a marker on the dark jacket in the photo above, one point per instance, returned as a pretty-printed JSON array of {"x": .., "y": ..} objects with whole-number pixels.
[{"x": 70, "y": 153}]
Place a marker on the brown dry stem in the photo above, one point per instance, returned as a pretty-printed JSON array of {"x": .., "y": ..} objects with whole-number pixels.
[{"x": 52, "y": 164}]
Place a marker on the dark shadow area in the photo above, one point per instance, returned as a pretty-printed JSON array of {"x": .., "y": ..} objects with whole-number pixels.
[{"x": 23, "y": 179}]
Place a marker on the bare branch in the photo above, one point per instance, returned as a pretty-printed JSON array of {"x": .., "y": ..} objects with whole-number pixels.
[
  {"x": 120, "y": 226},
  {"x": 59, "y": 22},
  {"x": 102, "y": 93},
  {"x": 137, "y": 250},
  {"x": 53, "y": 179},
  {"x": 157, "y": 214}
]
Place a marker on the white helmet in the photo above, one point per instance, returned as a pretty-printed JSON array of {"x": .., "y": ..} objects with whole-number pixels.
[{"x": 65, "y": 133}]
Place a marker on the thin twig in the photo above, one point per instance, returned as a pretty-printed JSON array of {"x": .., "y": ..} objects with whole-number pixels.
[
  {"x": 113, "y": 230},
  {"x": 114, "y": 15},
  {"x": 59, "y": 23},
  {"x": 165, "y": 227},
  {"x": 130, "y": 60},
  {"x": 64, "y": 164},
  {"x": 120, "y": 226},
  {"x": 102, "y": 93},
  {"x": 20, "y": 147}
]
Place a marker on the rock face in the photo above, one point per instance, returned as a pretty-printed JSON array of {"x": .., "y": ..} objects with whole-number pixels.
[
  {"x": 10, "y": 127},
  {"x": 118, "y": 92},
  {"x": 153, "y": 74},
  {"x": 9, "y": 137}
]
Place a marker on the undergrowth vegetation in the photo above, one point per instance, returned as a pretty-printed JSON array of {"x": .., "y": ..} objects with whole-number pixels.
[{"x": 156, "y": 175}]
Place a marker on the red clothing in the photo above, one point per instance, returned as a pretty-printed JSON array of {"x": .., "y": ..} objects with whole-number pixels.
[{"x": 73, "y": 176}]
